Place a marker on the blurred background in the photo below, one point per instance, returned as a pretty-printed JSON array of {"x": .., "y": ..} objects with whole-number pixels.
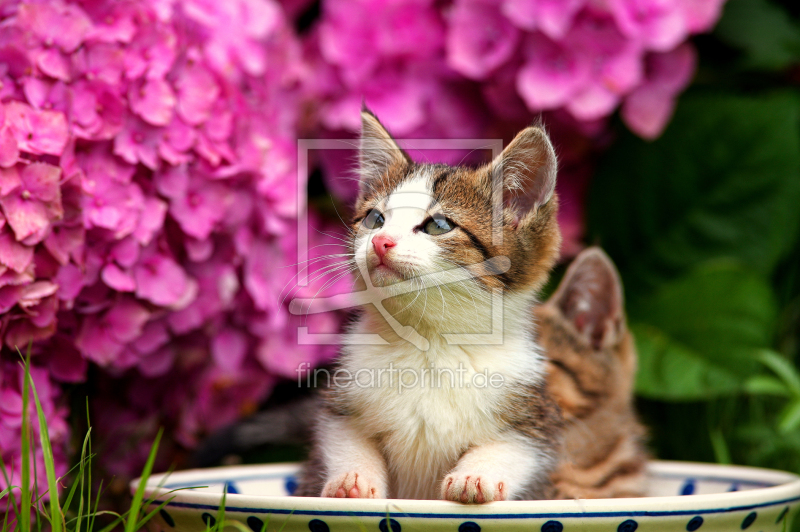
[{"x": 149, "y": 192}]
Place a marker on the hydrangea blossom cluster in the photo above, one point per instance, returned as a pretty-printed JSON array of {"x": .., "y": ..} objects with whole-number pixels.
[
  {"x": 485, "y": 68},
  {"x": 149, "y": 197},
  {"x": 410, "y": 58}
]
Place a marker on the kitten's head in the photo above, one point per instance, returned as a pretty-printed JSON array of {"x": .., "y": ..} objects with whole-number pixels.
[
  {"x": 416, "y": 219},
  {"x": 583, "y": 331}
]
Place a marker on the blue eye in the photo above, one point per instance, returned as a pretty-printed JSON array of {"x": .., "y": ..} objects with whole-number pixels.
[
  {"x": 374, "y": 219},
  {"x": 438, "y": 225}
]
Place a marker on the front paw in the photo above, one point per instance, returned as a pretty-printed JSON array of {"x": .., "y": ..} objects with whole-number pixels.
[
  {"x": 472, "y": 489},
  {"x": 351, "y": 486}
]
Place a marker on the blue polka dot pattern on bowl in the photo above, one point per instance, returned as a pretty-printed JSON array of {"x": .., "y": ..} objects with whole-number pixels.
[
  {"x": 386, "y": 524},
  {"x": 318, "y": 525},
  {"x": 262, "y": 503},
  {"x": 208, "y": 519},
  {"x": 749, "y": 520},
  {"x": 695, "y": 523},
  {"x": 167, "y": 518},
  {"x": 255, "y": 524},
  {"x": 290, "y": 484},
  {"x": 552, "y": 526}
]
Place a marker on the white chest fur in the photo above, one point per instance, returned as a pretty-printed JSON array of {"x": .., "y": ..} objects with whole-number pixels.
[{"x": 427, "y": 408}]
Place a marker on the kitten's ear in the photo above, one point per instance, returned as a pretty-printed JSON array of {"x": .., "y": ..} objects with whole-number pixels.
[
  {"x": 377, "y": 151},
  {"x": 528, "y": 169},
  {"x": 590, "y": 297}
]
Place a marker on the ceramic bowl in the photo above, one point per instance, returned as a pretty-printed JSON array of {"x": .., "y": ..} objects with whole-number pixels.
[{"x": 682, "y": 496}]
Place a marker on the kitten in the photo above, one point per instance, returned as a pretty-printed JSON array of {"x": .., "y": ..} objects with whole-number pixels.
[
  {"x": 592, "y": 362},
  {"x": 591, "y": 368},
  {"x": 423, "y": 241}
]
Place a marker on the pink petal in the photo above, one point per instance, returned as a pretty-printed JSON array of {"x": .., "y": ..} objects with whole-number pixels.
[
  {"x": 556, "y": 16},
  {"x": 199, "y": 250},
  {"x": 22, "y": 332},
  {"x": 200, "y": 209},
  {"x": 71, "y": 280},
  {"x": 624, "y": 71},
  {"x": 592, "y": 103},
  {"x": 126, "y": 319},
  {"x": 125, "y": 252},
  {"x": 55, "y": 23},
  {"x": 43, "y": 313},
  {"x": 27, "y": 217},
  {"x": 701, "y": 15},
  {"x": 138, "y": 142},
  {"x": 153, "y": 336},
  {"x": 151, "y": 220},
  {"x": 37, "y": 291},
  {"x": 153, "y": 100},
  {"x": 37, "y": 131},
  {"x": 53, "y": 63},
  {"x": 197, "y": 92},
  {"x": 9, "y": 152},
  {"x": 229, "y": 348},
  {"x": 8, "y": 277},
  {"x": 523, "y": 13},
  {"x": 672, "y": 70},
  {"x": 13, "y": 254},
  {"x": 551, "y": 74},
  {"x": 9, "y": 295},
  {"x": 64, "y": 241},
  {"x": 160, "y": 280},
  {"x": 42, "y": 181},
  {"x": 480, "y": 38},
  {"x": 647, "y": 110},
  {"x": 114, "y": 277},
  {"x": 96, "y": 342},
  {"x": 9, "y": 180}
]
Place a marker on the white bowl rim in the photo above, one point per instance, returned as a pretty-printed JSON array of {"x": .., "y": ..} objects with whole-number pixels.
[{"x": 785, "y": 492}]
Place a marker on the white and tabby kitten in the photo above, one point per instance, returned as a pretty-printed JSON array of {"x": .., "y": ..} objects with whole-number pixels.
[{"x": 423, "y": 243}]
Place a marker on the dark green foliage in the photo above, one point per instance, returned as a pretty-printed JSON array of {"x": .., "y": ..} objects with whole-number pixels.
[{"x": 704, "y": 225}]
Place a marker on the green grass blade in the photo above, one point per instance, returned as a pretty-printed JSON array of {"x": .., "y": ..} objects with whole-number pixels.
[
  {"x": 287, "y": 520},
  {"x": 721, "y": 452},
  {"x": 87, "y": 477},
  {"x": 221, "y": 510},
  {"x": 150, "y": 515},
  {"x": 56, "y": 517},
  {"x": 80, "y": 467},
  {"x": 24, "y": 519},
  {"x": 12, "y": 501},
  {"x": 136, "y": 504},
  {"x": 92, "y": 515}
]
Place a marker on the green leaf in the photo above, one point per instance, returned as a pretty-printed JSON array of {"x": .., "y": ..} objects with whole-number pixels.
[
  {"x": 669, "y": 371},
  {"x": 790, "y": 418},
  {"x": 766, "y": 385},
  {"x": 782, "y": 368},
  {"x": 763, "y": 31},
  {"x": 699, "y": 336},
  {"x": 723, "y": 181}
]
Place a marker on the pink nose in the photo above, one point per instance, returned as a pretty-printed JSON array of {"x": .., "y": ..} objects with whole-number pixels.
[{"x": 382, "y": 243}]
